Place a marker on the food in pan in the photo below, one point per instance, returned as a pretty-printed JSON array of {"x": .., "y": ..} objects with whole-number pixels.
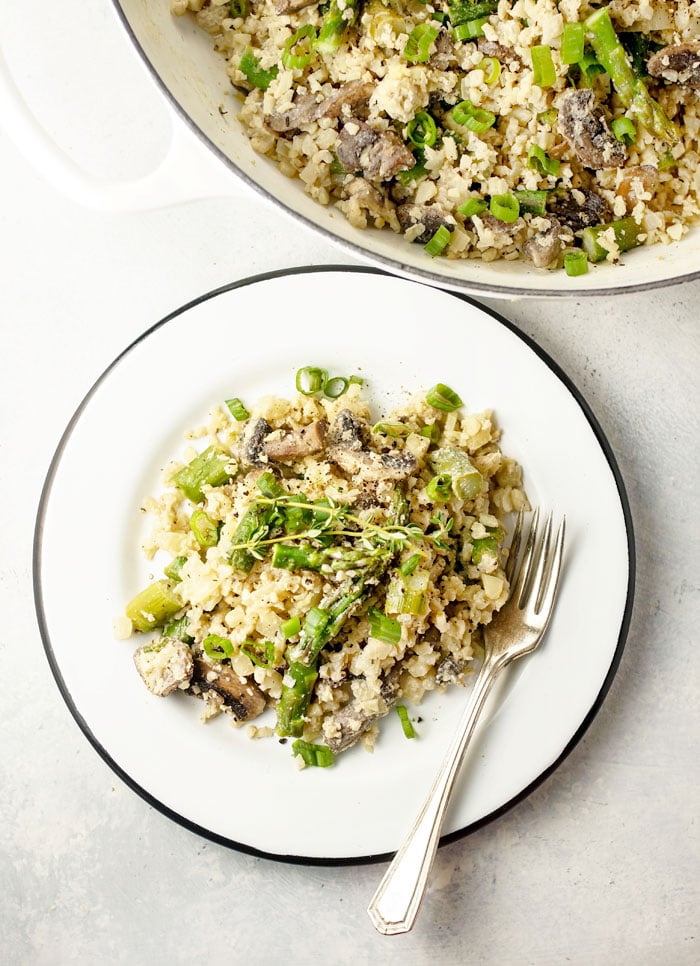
[
  {"x": 324, "y": 568},
  {"x": 564, "y": 133}
]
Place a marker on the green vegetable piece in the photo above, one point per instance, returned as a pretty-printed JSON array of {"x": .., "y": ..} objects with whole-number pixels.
[
  {"x": 252, "y": 649},
  {"x": 383, "y": 628},
  {"x": 315, "y": 755},
  {"x": 575, "y": 263},
  {"x": 532, "y": 201},
  {"x": 153, "y": 606},
  {"x": 210, "y": 468},
  {"x": 217, "y": 648},
  {"x": 420, "y": 40},
  {"x": 299, "y": 48},
  {"x": 439, "y": 489},
  {"x": 432, "y": 432},
  {"x": 291, "y": 627},
  {"x": 295, "y": 698},
  {"x": 254, "y": 526},
  {"x": 543, "y": 66},
  {"x": 408, "y": 593},
  {"x": 406, "y": 725},
  {"x": 470, "y": 30},
  {"x": 482, "y": 545},
  {"x": 311, "y": 380},
  {"x": 173, "y": 570},
  {"x": 505, "y": 207},
  {"x": 631, "y": 89},
  {"x": 335, "y": 22},
  {"x": 540, "y": 161},
  {"x": 475, "y": 119},
  {"x": 336, "y": 387},
  {"x": 422, "y": 130},
  {"x": 237, "y": 409},
  {"x": 443, "y": 398},
  {"x": 467, "y": 481},
  {"x": 473, "y": 206},
  {"x": 572, "y": 43},
  {"x": 395, "y": 430},
  {"x": 410, "y": 564},
  {"x": 178, "y": 630},
  {"x": 626, "y": 232},
  {"x": 257, "y": 76},
  {"x": 624, "y": 130},
  {"x": 205, "y": 530},
  {"x": 438, "y": 243}
]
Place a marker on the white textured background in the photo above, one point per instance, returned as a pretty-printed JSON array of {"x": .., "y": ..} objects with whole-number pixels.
[{"x": 601, "y": 865}]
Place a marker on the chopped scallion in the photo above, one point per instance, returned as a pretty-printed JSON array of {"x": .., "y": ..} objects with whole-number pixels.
[
  {"x": 251, "y": 650},
  {"x": 470, "y": 30},
  {"x": 205, "y": 530},
  {"x": 210, "y": 468},
  {"x": 439, "y": 489},
  {"x": 575, "y": 263},
  {"x": 473, "y": 206},
  {"x": 432, "y": 432},
  {"x": 172, "y": 571},
  {"x": 237, "y": 409},
  {"x": 153, "y": 606},
  {"x": 505, "y": 207},
  {"x": 532, "y": 201},
  {"x": 624, "y": 130},
  {"x": 443, "y": 398},
  {"x": 319, "y": 756},
  {"x": 438, "y": 243},
  {"x": 299, "y": 48},
  {"x": 491, "y": 67},
  {"x": 626, "y": 233},
  {"x": 475, "y": 119},
  {"x": 217, "y": 648},
  {"x": 291, "y": 627},
  {"x": 420, "y": 40},
  {"x": 540, "y": 161},
  {"x": 383, "y": 628},
  {"x": 395, "y": 430},
  {"x": 336, "y": 387},
  {"x": 237, "y": 9},
  {"x": 422, "y": 130},
  {"x": 406, "y": 725},
  {"x": 409, "y": 566},
  {"x": 572, "y": 42},
  {"x": 543, "y": 66},
  {"x": 310, "y": 380},
  {"x": 257, "y": 76}
]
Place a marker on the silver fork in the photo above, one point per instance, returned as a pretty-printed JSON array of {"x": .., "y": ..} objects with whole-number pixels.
[{"x": 516, "y": 630}]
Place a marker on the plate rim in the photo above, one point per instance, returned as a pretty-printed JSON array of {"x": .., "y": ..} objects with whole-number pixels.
[{"x": 182, "y": 820}]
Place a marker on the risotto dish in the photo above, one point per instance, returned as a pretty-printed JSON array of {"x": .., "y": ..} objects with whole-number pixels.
[
  {"x": 319, "y": 569},
  {"x": 564, "y": 133}
]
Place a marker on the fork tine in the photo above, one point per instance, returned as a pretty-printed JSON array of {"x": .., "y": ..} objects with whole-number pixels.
[
  {"x": 549, "y": 591},
  {"x": 523, "y": 574},
  {"x": 514, "y": 547},
  {"x": 534, "y": 591}
]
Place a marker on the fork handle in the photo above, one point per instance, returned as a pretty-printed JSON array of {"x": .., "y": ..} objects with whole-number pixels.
[{"x": 395, "y": 904}]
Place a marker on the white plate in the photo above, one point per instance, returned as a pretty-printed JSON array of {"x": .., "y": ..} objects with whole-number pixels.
[{"x": 248, "y": 340}]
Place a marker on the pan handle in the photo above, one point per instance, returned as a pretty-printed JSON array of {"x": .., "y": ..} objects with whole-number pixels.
[{"x": 188, "y": 171}]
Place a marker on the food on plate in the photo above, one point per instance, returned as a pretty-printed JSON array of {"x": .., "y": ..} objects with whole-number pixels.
[
  {"x": 324, "y": 567},
  {"x": 482, "y": 129}
]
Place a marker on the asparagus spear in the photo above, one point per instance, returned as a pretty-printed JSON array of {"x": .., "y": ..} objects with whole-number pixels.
[
  {"x": 210, "y": 468},
  {"x": 337, "y": 18},
  {"x": 626, "y": 232},
  {"x": 631, "y": 89}
]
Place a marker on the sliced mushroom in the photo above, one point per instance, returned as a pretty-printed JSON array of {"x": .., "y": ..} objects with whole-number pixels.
[
  {"x": 544, "y": 248},
  {"x": 368, "y": 197},
  {"x": 293, "y": 445},
  {"x": 445, "y": 54},
  {"x": 242, "y": 698},
  {"x": 429, "y": 217},
  {"x": 345, "y": 446},
  {"x": 164, "y": 665},
  {"x": 344, "y": 728},
  {"x": 636, "y": 182},
  {"x": 491, "y": 48},
  {"x": 378, "y": 155},
  {"x": 578, "y": 208},
  {"x": 354, "y": 95},
  {"x": 582, "y": 122},
  {"x": 677, "y": 64},
  {"x": 506, "y": 229},
  {"x": 450, "y": 671},
  {"x": 253, "y": 441}
]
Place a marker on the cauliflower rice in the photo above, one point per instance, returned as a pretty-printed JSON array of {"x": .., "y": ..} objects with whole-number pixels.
[
  {"x": 355, "y": 529},
  {"x": 373, "y": 119}
]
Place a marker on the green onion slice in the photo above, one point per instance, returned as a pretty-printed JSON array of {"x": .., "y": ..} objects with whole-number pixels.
[
  {"x": 299, "y": 48},
  {"x": 505, "y": 207},
  {"x": 310, "y": 380},
  {"x": 237, "y": 409},
  {"x": 431, "y": 432},
  {"x": 540, "y": 161},
  {"x": 336, "y": 387},
  {"x": 409, "y": 566},
  {"x": 572, "y": 43},
  {"x": 439, "y": 489},
  {"x": 205, "y": 530},
  {"x": 438, "y": 243},
  {"x": 476, "y": 119},
  {"x": 217, "y": 648},
  {"x": 473, "y": 206},
  {"x": 257, "y": 76},
  {"x": 172, "y": 571},
  {"x": 422, "y": 130},
  {"x": 470, "y": 30},
  {"x": 543, "y": 66},
  {"x": 319, "y": 756},
  {"x": 383, "y": 628},
  {"x": 406, "y": 725},
  {"x": 491, "y": 67},
  {"x": 238, "y": 8},
  {"x": 251, "y": 650},
  {"x": 443, "y": 398},
  {"x": 624, "y": 130},
  {"x": 420, "y": 40},
  {"x": 291, "y": 627},
  {"x": 395, "y": 430},
  {"x": 576, "y": 263}
]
